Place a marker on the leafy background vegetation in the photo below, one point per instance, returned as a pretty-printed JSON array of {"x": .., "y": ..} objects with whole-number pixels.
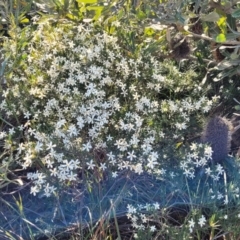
[{"x": 103, "y": 104}]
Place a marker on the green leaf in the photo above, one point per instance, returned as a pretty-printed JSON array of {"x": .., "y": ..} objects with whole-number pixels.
[
  {"x": 87, "y": 1},
  {"x": 236, "y": 13},
  {"x": 224, "y": 74},
  {"x": 150, "y": 122},
  {"x": 234, "y": 56},
  {"x": 71, "y": 16},
  {"x": 141, "y": 15},
  {"x": 24, "y": 20},
  {"x": 180, "y": 18},
  {"x": 211, "y": 17},
  {"x": 3, "y": 66},
  {"x": 120, "y": 13},
  {"x": 226, "y": 64},
  {"x": 179, "y": 144},
  {"x": 223, "y": 65},
  {"x": 231, "y": 22},
  {"x": 220, "y": 38},
  {"x": 82, "y": 9},
  {"x": 111, "y": 30},
  {"x": 97, "y": 9},
  {"x": 149, "y": 31},
  {"x": 237, "y": 107}
]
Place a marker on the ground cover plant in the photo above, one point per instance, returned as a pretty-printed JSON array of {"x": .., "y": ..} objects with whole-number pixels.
[{"x": 101, "y": 124}]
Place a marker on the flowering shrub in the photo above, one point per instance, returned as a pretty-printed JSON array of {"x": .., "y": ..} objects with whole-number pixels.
[
  {"x": 78, "y": 100},
  {"x": 96, "y": 104}
]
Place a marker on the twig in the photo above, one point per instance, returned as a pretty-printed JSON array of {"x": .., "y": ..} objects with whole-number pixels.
[{"x": 191, "y": 34}]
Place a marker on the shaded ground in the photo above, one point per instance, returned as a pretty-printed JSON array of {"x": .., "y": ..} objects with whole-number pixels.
[
  {"x": 42, "y": 216},
  {"x": 25, "y": 216}
]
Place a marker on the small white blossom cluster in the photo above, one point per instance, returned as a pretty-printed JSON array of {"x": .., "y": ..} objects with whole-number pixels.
[
  {"x": 218, "y": 195},
  {"x": 142, "y": 222},
  {"x": 76, "y": 90},
  {"x": 201, "y": 222},
  {"x": 199, "y": 156}
]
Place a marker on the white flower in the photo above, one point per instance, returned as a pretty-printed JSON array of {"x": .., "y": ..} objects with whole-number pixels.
[
  {"x": 75, "y": 164},
  {"x": 220, "y": 169},
  {"x": 87, "y": 146},
  {"x": 156, "y": 206},
  {"x": 203, "y": 161},
  {"x": 103, "y": 166},
  {"x": 193, "y": 146},
  {"x": 62, "y": 175},
  {"x": 191, "y": 225},
  {"x": 183, "y": 165},
  {"x": 20, "y": 147},
  {"x": 80, "y": 122},
  {"x": 202, "y": 221},
  {"x": 27, "y": 115},
  {"x": 60, "y": 123},
  {"x": 109, "y": 138},
  {"x": 208, "y": 151},
  {"x": 40, "y": 178},
  {"x": 51, "y": 146},
  {"x": 161, "y": 134},
  {"x": 139, "y": 121},
  {"x": 135, "y": 236},
  {"x": 206, "y": 108},
  {"x": 11, "y": 131},
  {"x": 54, "y": 172},
  {"x": 28, "y": 160},
  {"x": 131, "y": 155},
  {"x": 181, "y": 126},
  {"x": 114, "y": 174},
  {"x": 67, "y": 165},
  {"x": 34, "y": 190},
  {"x": 111, "y": 156},
  {"x": 121, "y": 144},
  {"x": 47, "y": 190},
  {"x": 208, "y": 171},
  {"x": 220, "y": 196},
  {"x": 134, "y": 140},
  {"x": 225, "y": 202},
  {"x": 189, "y": 173},
  {"x": 131, "y": 209},
  {"x": 91, "y": 165},
  {"x": 72, "y": 130},
  {"x": 2, "y": 135},
  {"x": 138, "y": 168},
  {"x": 141, "y": 227},
  {"x": 151, "y": 163},
  {"x": 152, "y": 228},
  {"x": 143, "y": 218},
  {"x": 72, "y": 176},
  {"x": 154, "y": 156}
]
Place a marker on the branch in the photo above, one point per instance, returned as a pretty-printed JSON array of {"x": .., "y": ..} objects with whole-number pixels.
[{"x": 205, "y": 37}]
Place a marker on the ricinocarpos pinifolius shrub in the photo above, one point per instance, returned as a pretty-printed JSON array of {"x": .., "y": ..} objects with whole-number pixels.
[{"x": 73, "y": 90}]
